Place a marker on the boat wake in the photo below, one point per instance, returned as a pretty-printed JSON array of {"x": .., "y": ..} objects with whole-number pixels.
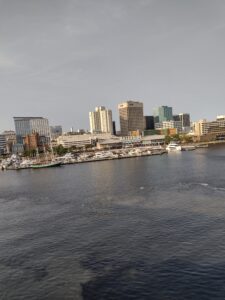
[
  {"x": 203, "y": 185},
  {"x": 215, "y": 188}
]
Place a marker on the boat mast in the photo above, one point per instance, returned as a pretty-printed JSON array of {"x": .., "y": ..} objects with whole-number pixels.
[
  {"x": 37, "y": 155},
  {"x": 51, "y": 148}
]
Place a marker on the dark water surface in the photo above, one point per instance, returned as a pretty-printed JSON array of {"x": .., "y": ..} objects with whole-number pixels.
[{"x": 141, "y": 228}]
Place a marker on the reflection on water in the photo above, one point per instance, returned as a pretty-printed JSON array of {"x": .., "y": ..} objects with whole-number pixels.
[{"x": 143, "y": 228}]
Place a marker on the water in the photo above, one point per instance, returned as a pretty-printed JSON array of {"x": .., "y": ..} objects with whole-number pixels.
[{"x": 141, "y": 228}]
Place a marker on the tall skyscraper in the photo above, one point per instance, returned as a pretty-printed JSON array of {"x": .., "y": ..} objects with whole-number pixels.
[
  {"x": 131, "y": 117},
  {"x": 101, "y": 120},
  {"x": 27, "y": 125},
  {"x": 185, "y": 120},
  {"x": 163, "y": 113}
]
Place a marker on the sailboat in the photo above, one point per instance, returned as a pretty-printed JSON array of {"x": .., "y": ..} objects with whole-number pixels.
[
  {"x": 46, "y": 163},
  {"x": 51, "y": 164}
]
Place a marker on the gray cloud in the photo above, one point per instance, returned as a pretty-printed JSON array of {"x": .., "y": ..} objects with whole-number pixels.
[{"x": 60, "y": 59}]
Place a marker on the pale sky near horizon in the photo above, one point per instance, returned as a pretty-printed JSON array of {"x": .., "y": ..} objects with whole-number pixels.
[{"x": 61, "y": 58}]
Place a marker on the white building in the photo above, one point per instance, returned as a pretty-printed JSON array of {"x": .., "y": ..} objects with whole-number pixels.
[
  {"x": 169, "y": 124},
  {"x": 204, "y": 127},
  {"x": 220, "y": 118},
  {"x": 150, "y": 140},
  {"x": 10, "y": 138},
  {"x": 101, "y": 120},
  {"x": 68, "y": 141},
  {"x": 200, "y": 127},
  {"x": 153, "y": 140}
]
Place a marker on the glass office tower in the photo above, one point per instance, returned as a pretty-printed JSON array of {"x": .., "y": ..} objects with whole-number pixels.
[
  {"x": 163, "y": 113},
  {"x": 27, "y": 125}
]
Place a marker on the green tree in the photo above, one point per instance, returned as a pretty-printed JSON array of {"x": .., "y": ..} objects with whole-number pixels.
[
  {"x": 187, "y": 139},
  {"x": 30, "y": 153},
  {"x": 60, "y": 150},
  {"x": 168, "y": 139},
  {"x": 176, "y": 137}
]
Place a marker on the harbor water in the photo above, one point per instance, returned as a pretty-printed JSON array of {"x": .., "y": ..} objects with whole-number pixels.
[{"x": 140, "y": 228}]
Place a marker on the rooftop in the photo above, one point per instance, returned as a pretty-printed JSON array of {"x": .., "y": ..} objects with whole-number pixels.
[{"x": 27, "y": 118}]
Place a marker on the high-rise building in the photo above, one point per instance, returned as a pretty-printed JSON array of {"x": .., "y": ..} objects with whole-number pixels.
[
  {"x": 2, "y": 144},
  {"x": 176, "y": 117},
  {"x": 27, "y": 125},
  {"x": 185, "y": 119},
  {"x": 131, "y": 117},
  {"x": 95, "y": 123},
  {"x": 149, "y": 122},
  {"x": 163, "y": 113},
  {"x": 200, "y": 127},
  {"x": 10, "y": 137},
  {"x": 101, "y": 120}
]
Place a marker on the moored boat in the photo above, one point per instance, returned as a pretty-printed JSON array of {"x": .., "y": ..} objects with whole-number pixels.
[
  {"x": 46, "y": 165},
  {"x": 188, "y": 148},
  {"x": 173, "y": 146}
]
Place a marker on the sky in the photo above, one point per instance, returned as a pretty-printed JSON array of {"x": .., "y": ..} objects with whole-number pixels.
[{"x": 61, "y": 58}]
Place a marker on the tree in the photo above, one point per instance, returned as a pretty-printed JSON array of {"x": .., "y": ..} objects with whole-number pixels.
[
  {"x": 176, "y": 137},
  {"x": 187, "y": 139},
  {"x": 168, "y": 139},
  {"x": 60, "y": 150}
]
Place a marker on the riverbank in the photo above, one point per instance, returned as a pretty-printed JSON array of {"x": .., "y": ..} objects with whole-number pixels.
[
  {"x": 98, "y": 156},
  {"x": 101, "y": 155}
]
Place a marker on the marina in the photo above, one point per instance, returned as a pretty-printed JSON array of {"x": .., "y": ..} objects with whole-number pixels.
[{"x": 16, "y": 162}]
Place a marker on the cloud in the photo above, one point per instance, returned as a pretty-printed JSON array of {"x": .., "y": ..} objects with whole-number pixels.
[
  {"x": 6, "y": 62},
  {"x": 218, "y": 27}
]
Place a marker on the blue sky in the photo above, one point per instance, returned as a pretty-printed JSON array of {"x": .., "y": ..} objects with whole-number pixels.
[{"x": 60, "y": 59}]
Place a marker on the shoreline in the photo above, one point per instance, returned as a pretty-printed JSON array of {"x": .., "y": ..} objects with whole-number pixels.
[
  {"x": 153, "y": 153},
  {"x": 120, "y": 154}
]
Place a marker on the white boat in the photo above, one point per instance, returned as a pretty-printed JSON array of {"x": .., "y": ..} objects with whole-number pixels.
[
  {"x": 173, "y": 146},
  {"x": 102, "y": 155},
  {"x": 188, "y": 148}
]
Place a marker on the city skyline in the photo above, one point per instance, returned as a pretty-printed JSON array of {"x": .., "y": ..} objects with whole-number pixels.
[
  {"x": 112, "y": 145},
  {"x": 80, "y": 54},
  {"x": 115, "y": 115}
]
